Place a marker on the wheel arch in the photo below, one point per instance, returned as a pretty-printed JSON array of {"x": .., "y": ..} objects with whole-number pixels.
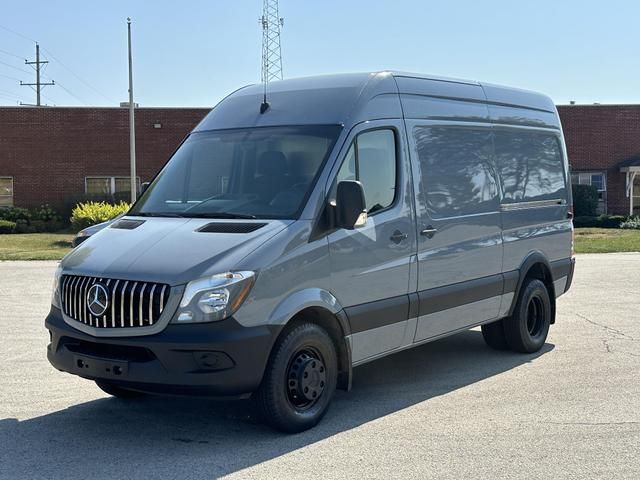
[
  {"x": 323, "y": 309},
  {"x": 536, "y": 265}
]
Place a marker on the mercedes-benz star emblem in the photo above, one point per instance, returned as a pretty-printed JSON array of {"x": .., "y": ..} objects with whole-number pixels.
[{"x": 97, "y": 300}]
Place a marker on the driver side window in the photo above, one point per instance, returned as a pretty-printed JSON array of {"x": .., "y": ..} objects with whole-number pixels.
[{"x": 371, "y": 159}]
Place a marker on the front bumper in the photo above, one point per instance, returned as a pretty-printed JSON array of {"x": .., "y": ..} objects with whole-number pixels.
[{"x": 218, "y": 358}]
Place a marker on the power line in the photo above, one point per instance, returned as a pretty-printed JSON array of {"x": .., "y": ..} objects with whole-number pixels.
[
  {"x": 58, "y": 84},
  {"x": 11, "y": 95},
  {"x": 9, "y": 77},
  {"x": 57, "y": 61},
  {"x": 77, "y": 76},
  {"x": 15, "y": 68},
  {"x": 17, "y": 33},
  {"x": 11, "y": 54}
]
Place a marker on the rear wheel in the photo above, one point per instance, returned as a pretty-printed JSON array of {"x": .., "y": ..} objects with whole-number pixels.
[
  {"x": 493, "y": 334},
  {"x": 116, "y": 391},
  {"x": 527, "y": 328},
  {"x": 300, "y": 379}
]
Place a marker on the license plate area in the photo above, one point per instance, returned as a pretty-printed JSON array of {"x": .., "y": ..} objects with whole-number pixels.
[{"x": 99, "y": 367}]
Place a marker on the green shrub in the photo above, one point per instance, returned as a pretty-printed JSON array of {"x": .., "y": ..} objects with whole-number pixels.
[
  {"x": 7, "y": 227},
  {"x": 23, "y": 226},
  {"x": 611, "y": 221},
  {"x": 631, "y": 223},
  {"x": 91, "y": 213},
  {"x": 601, "y": 221},
  {"x": 13, "y": 214},
  {"x": 45, "y": 213},
  {"x": 585, "y": 200}
]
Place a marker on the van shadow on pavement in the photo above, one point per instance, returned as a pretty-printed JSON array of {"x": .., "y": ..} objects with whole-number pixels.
[{"x": 200, "y": 438}]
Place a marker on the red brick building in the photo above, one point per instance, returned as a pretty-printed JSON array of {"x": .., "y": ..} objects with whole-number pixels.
[
  {"x": 603, "y": 145},
  {"x": 57, "y": 155}
]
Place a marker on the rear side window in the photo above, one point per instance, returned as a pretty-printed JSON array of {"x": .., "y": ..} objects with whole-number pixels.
[
  {"x": 457, "y": 173},
  {"x": 371, "y": 159},
  {"x": 530, "y": 165}
]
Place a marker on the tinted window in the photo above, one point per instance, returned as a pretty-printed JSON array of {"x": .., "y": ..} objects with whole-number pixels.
[
  {"x": 256, "y": 172},
  {"x": 371, "y": 159},
  {"x": 530, "y": 166},
  {"x": 457, "y": 174}
]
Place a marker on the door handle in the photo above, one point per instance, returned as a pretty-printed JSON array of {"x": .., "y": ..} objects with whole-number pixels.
[
  {"x": 429, "y": 232},
  {"x": 398, "y": 236}
]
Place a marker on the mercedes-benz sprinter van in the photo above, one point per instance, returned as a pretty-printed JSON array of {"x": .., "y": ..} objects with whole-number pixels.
[{"x": 341, "y": 219}]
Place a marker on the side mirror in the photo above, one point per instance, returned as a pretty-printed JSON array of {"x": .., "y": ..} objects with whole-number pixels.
[
  {"x": 351, "y": 209},
  {"x": 143, "y": 188}
]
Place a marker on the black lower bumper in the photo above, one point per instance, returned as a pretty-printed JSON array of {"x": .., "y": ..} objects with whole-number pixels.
[{"x": 219, "y": 358}]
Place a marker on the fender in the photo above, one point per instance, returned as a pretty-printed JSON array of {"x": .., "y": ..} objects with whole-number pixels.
[
  {"x": 301, "y": 299},
  {"x": 517, "y": 277},
  {"x": 322, "y": 300}
]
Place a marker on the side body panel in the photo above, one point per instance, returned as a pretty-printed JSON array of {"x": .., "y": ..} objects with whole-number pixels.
[
  {"x": 541, "y": 224},
  {"x": 459, "y": 251}
]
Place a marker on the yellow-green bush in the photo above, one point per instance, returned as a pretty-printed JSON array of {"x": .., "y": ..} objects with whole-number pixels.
[
  {"x": 91, "y": 213},
  {"x": 7, "y": 227}
]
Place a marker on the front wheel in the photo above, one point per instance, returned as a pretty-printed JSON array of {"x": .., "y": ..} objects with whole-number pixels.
[
  {"x": 527, "y": 328},
  {"x": 300, "y": 379}
]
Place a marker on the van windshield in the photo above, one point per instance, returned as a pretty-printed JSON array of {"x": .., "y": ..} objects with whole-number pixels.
[{"x": 264, "y": 172}]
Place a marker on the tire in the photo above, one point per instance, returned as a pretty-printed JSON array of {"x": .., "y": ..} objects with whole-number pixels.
[
  {"x": 493, "y": 334},
  {"x": 116, "y": 391},
  {"x": 527, "y": 328},
  {"x": 300, "y": 379}
]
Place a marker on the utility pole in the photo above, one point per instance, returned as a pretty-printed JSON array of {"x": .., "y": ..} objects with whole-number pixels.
[
  {"x": 271, "y": 52},
  {"x": 39, "y": 85},
  {"x": 132, "y": 125}
]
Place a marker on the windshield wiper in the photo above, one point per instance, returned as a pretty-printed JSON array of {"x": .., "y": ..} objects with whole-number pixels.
[{"x": 219, "y": 215}]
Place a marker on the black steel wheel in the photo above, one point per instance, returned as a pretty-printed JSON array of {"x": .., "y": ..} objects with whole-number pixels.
[
  {"x": 300, "y": 379},
  {"x": 307, "y": 378},
  {"x": 527, "y": 328}
]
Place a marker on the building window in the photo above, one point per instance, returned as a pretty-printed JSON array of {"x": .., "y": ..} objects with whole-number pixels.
[
  {"x": 108, "y": 186},
  {"x": 6, "y": 191},
  {"x": 596, "y": 179}
]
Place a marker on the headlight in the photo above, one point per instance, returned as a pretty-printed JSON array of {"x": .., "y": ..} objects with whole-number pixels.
[
  {"x": 55, "y": 291},
  {"x": 214, "y": 298}
]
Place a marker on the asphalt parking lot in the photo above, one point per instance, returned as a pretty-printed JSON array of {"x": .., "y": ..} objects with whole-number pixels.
[{"x": 450, "y": 409}]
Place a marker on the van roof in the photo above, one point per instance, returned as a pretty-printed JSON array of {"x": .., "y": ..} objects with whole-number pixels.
[{"x": 352, "y": 97}]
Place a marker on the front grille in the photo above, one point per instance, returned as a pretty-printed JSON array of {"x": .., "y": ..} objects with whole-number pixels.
[{"x": 129, "y": 303}]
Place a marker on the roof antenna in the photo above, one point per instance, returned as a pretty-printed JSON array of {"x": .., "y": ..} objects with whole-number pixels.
[
  {"x": 271, "y": 23},
  {"x": 265, "y": 105}
]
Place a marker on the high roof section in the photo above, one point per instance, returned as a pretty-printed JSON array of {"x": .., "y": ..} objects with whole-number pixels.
[{"x": 349, "y": 98}]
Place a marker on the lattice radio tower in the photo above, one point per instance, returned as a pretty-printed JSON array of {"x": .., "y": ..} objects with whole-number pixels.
[{"x": 271, "y": 52}]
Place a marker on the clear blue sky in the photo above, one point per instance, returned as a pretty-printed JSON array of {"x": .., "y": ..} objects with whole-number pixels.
[{"x": 193, "y": 52}]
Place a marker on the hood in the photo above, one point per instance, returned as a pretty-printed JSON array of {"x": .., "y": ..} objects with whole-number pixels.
[{"x": 169, "y": 250}]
